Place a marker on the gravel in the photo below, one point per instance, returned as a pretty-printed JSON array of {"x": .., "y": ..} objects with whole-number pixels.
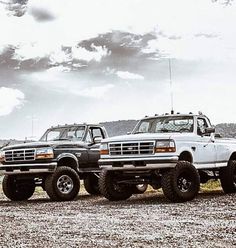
[{"x": 147, "y": 220}]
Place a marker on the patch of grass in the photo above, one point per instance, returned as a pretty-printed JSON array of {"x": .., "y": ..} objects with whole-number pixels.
[{"x": 211, "y": 185}]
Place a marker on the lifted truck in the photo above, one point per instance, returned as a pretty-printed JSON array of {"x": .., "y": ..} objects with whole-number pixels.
[
  {"x": 63, "y": 156},
  {"x": 175, "y": 152}
]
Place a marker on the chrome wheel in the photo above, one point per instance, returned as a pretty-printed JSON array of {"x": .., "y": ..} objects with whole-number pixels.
[{"x": 65, "y": 184}]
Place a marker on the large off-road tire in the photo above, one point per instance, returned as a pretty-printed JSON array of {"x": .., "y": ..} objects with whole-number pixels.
[
  {"x": 18, "y": 189},
  {"x": 91, "y": 184},
  {"x": 63, "y": 184},
  {"x": 181, "y": 183},
  {"x": 228, "y": 177},
  {"x": 110, "y": 189},
  {"x": 139, "y": 189}
]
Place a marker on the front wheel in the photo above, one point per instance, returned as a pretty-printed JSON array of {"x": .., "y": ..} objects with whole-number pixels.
[
  {"x": 18, "y": 189},
  {"x": 228, "y": 177},
  {"x": 91, "y": 184},
  {"x": 63, "y": 184},
  {"x": 181, "y": 183},
  {"x": 110, "y": 187}
]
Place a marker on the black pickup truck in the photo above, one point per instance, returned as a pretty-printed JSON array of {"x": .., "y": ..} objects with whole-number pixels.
[{"x": 64, "y": 155}]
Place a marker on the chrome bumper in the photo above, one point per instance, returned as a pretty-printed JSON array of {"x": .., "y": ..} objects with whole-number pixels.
[
  {"x": 28, "y": 168},
  {"x": 139, "y": 163}
]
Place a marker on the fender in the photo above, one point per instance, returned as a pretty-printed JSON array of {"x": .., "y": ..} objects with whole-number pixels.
[
  {"x": 186, "y": 149},
  {"x": 68, "y": 155}
]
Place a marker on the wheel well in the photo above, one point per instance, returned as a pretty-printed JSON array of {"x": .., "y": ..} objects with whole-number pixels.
[
  {"x": 233, "y": 156},
  {"x": 186, "y": 156},
  {"x": 70, "y": 162}
]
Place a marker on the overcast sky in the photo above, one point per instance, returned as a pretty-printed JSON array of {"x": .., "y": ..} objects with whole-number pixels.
[{"x": 91, "y": 61}]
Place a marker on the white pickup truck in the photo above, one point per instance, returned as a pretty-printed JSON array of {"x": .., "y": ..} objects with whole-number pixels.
[{"x": 175, "y": 152}]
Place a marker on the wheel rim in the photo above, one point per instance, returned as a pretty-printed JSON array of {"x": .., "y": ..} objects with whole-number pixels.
[
  {"x": 141, "y": 186},
  {"x": 184, "y": 183},
  {"x": 65, "y": 184}
]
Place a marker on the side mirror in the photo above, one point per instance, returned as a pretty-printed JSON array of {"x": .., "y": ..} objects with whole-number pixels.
[
  {"x": 210, "y": 130},
  {"x": 97, "y": 139}
]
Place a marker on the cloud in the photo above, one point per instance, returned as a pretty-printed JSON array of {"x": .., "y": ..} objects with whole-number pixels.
[
  {"x": 10, "y": 99},
  {"x": 128, "y": 75},
  {"x": 30, "y": 51},
  {"x": 192, "y": 48},
  {"x": 59, "y": 68},
  {"x": 44, "y": 10},
  {"x": 56, "y": 81},
  {"x": 42, "y": 14},
  {"x": 83, "y": 54},
  {"x": 73, "y": 22},
  {"x": 95, "y": 91}
]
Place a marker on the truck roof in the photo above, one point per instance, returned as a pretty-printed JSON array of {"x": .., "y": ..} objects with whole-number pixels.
[
  {"x": 76, "y": 124},
  {"x": 174, "y": 115}
]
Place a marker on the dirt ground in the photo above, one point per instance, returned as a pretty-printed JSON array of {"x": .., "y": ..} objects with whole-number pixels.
[{"x": 147, "y": 220}]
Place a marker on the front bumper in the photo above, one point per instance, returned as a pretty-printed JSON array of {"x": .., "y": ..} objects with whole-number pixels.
[
  {"x": 28, "y": 168},
  {"x": 138, "y": 163}
]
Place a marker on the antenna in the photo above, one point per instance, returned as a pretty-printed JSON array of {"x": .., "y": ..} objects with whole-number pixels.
[{"x": 171, "y": 88}]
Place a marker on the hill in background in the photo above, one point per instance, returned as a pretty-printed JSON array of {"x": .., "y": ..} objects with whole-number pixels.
[{"x": 227, "y": 130}]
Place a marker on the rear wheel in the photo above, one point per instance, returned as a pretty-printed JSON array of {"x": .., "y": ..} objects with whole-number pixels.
[
  {"x": 18, "y": 189},
  {"x": 91, "y": 184},
  {"x": 111, "y": 189},
  {"x": 181, "y": 183},
  {"x": 228, "y": 177},
  {"x": 63, "y": 184}
]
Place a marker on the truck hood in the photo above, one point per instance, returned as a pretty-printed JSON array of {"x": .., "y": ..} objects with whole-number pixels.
[
  {"x": 39, "y": 144},
  {"x": 148, "y": 136}
]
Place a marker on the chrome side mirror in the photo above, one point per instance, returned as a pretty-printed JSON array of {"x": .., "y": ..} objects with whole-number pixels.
[{"x": 97, "y": 140}]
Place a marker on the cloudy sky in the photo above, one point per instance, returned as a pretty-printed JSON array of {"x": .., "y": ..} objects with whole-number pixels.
[{"x": 90, "y": 61}]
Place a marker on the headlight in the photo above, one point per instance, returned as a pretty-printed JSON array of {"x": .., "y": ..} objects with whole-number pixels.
[
  {"x": 42, "y": 153},
  {"x": 104, "y": 149},
  {"x": 165, "y": 146},
  {"x": 2, "y": 156}
]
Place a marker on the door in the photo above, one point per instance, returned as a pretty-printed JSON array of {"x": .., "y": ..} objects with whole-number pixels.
[
  {"x": 94, "y": 150},
  {"x": 205, "y": 150}
]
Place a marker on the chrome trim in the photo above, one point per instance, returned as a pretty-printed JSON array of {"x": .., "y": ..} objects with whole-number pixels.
[
  {"x": 135, "y": 148},
  {"x": 133, "y": 159},
  {"x": 132, "y": 167},
  {"x": 71, "y": 149},
  {"x": 18, "y": 155},
  {"x": 32, "y": 168}
]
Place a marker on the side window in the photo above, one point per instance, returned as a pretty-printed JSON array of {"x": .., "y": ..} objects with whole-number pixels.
[
  {"x": 88, "y": 137},
  {"x": 201, "y": 126},
  {"x": 96, "y": 132}
]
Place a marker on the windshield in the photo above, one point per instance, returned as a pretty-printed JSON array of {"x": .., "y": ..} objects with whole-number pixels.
[
  {"x": 64, "y": 133},
  {"x": 165, "y": 125}
]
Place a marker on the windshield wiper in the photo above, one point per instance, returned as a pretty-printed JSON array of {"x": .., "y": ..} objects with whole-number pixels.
[
  {"x": 139, "y": 132},
  {"x": 61, "y": 139}
]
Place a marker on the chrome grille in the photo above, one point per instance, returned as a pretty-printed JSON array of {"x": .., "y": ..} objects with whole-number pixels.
[
  {"x": 20, "y": 155},
  {"x": 131, "y": 148}
]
